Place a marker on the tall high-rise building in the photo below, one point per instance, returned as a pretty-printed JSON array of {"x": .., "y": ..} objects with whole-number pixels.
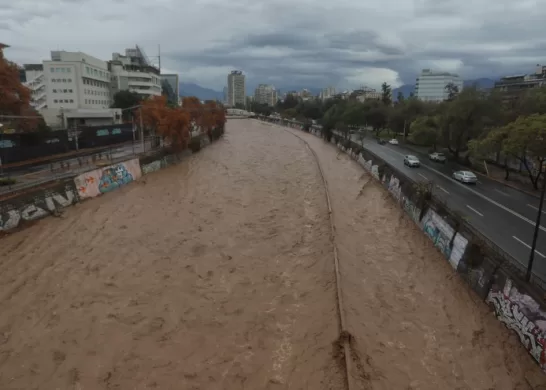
[
  {"x": 236, "y": 88},
  {"x": 431, "y": 86},
  {"x": 327, "y": 93},
  {"x": 265, "y": 94}
]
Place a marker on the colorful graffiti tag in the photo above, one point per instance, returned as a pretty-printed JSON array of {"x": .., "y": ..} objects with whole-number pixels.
[
  {"x": 100, "y": 181},
  {"x": 523, "y": 315}
]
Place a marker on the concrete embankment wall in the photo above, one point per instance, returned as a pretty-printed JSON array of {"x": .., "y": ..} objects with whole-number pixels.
[
  {"x": 515, "y": 303},
  {"x": 20, "y": 210}
]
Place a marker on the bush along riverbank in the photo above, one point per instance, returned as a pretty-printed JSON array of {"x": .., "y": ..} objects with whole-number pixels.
[{"x": 488, "y": 271}]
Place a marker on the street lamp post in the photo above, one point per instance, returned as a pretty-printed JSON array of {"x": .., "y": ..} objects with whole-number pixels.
[{"x": 535, "y": 234}]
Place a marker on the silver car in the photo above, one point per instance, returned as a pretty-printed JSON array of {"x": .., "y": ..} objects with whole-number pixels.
[
  {"x": 465, "y": 177},
  {"x": 439, "y": 157},
  {"x": 411, "y": 161}
]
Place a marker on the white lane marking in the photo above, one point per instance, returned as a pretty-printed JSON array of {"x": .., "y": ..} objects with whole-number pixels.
[
  {"x": 536, "y": 208},
  {"x": 484, "y": 197},
  {"x": 443, "y": 189},
  {"x": 501, "y": 192},
  {"x": 423, "y": 176},
  {"x": 528, "y": 246},
  {"x": 476, "y": 211}
]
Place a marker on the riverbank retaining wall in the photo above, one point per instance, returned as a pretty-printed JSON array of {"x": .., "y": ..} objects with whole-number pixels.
[
  {"x": 20, "y": 210},
  {"x": 517, "y": 304}
]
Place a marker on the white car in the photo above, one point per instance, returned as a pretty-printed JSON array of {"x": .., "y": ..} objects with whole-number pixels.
[
  {"x": 411, "y": 161},
  {"x": 465, "y": 177},
  {"x": 439, "y": 157},
  {"x": 393, "y": 141}
]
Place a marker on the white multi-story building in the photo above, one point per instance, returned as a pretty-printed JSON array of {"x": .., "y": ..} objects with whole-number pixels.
[
  {"x": 77, "y": 89},
  {"x": 134, "y": 72},
  {"x": 236, "y": 88},
  {"x": 36, "y": 82},
  {"x": 431, "y": 86},
  {"x": 327, "y": 93},
  {"x": 265, "y": 94}
]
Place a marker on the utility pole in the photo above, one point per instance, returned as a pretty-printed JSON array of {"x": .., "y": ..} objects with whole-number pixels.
[
  {"x": 141, "y": 129},
  {"x": 159, "y": 57},
  {"x": 535, "y": 234}
]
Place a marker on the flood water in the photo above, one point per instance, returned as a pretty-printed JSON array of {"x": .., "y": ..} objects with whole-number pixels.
[{"x": 218, "y": 273}]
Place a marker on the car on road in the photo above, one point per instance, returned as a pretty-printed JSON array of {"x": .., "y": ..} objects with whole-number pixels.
[
  {"x": 466, "y": 177},
  {"x": 411, "y": 161},
  {"x": 381, "y": 141},
  {"x": 393, "y": 141},
  {"x": 438, "y": 157}
]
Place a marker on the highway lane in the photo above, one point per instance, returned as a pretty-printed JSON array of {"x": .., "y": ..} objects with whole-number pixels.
[
  {"x": 520, "y": 202},
  {"x": 493, "y": 217}
]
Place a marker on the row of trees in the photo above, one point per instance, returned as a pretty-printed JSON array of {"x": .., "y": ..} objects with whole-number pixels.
[
  {"x": 176, "y": 124},
  {"x": 472, "y": 125}
]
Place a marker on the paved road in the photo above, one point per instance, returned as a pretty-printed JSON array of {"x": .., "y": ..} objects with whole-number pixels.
[{"x": 504, "y": 215}]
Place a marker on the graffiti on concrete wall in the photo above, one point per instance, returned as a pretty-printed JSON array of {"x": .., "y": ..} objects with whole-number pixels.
[
  {"x": 100, "y": 181},
  {"x": 523, "y": 315},
  {"x": 375, "y": 171},
  {"x": 36, "y": 205},
  {"x": 394, "y": 187},
  {"x": 411, "y": 208},
  {"x": 152, "y": 167},
  {"x": 438, "y": 231}
]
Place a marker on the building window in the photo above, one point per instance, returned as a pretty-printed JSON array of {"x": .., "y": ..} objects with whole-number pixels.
[
  {"x": 71, "y": 100},
  {"x": 64, "y": 80},
  {"x": 69, "y": 91},
  {"x": 52, "y": 70},
  {"x": 68, "y": 70},
  {"x": 55, "y": 101},
  {"x": 65, "y": 90},
  {"x": 54, "y": 91},
  {"x": 69, "y": 80}
]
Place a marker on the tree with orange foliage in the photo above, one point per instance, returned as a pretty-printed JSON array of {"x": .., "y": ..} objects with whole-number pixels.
[
  {"x": 194, "y": 107},
  {"x": 15, "y": 97},
  {"x": 175, "y": 128}
]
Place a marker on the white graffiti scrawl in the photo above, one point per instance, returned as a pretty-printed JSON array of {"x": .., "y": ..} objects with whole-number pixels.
[
  {"x": 522, "y": 314},
  {"x": 13, "y": 212}
]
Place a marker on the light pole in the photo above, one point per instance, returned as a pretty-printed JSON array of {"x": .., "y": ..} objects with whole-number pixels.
[{"x": 535, "y": 234}]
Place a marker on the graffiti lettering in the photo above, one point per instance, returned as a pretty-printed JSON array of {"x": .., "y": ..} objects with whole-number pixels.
[
  {"x": 13, "y": 212},
  {"x": 510, "y": 312}
]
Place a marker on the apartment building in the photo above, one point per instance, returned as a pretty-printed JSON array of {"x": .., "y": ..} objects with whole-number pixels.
[
  {"x": 327, "y": 93},
  {"x": 134, "y": 72},
  {"x": 77, "y": 88},
  {"x": 430, "y": 85},
  {"x": 236, "y": 88},
  {"x": 265, "y": 94},
  {"x": 170, "y": 87},
  {"x": 33, "y": 77},
  {"x": 515, "y": 86},
  {"x": 364, "y": 93}
]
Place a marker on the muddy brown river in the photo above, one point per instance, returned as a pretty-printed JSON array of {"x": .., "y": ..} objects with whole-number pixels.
[{"x": 218, "y": 273}]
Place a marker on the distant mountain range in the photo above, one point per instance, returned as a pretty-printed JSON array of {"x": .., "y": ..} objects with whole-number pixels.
[
  {"x": 191, "y": 89},
  {"x": 482, "y": 83}
]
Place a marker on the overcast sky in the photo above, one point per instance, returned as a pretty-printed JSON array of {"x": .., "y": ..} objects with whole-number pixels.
[{"x": 315, "y": 43}]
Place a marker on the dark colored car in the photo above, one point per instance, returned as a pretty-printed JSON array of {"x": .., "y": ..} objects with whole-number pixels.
[{"x": 381, "y": 141}]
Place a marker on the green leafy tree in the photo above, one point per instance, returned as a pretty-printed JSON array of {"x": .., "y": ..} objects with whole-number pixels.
[
  {"x": 464, "y": 119},
  {"x": 125, "y": 99},
  {"x": 386, "y": 94},
  {"x": 425, "y": 131},
  {"x": 400, "y": 97},
  {"x": 452, "y": 91},
  {"x": 524, "y": 140}
]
